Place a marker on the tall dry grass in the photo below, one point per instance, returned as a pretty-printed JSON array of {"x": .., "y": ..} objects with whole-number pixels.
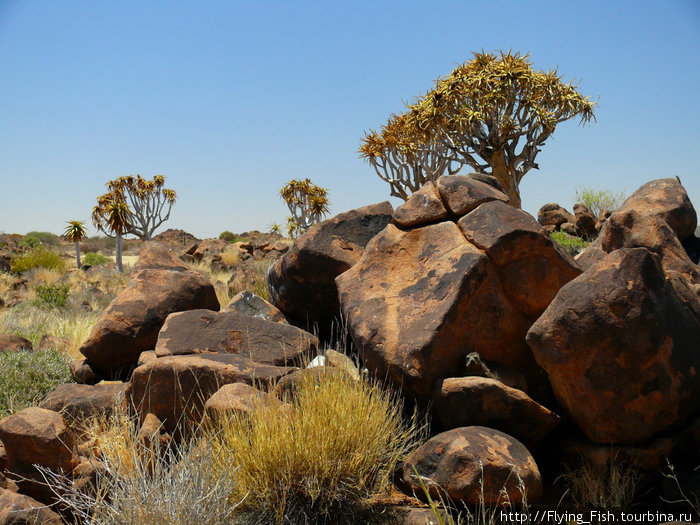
[{"x": 319, "y": 460}]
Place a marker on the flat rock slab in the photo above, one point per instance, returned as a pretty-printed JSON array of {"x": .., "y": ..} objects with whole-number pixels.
[
  {"x": 80, "y": 402},
  {"x": 467, "y": 463},
  {"x": 231, "y": 332},
  {"x": 620, "y": 346},
  {"x": 247, "y": 303},
  {"x": 158, "y": 287},
  {"x": 468, "y": 401},
  {"x": 175, "y": 388}
]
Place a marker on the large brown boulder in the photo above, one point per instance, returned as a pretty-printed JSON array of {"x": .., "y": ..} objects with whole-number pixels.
[
  {"x": 159, "y": 285},
  {"x": 302, "y": 282},
  {"x": 18, "y": 509},
  {"x": 620, "y": 346},
  {"x": 253, "y": 305},
  {"x": 176, "y": 388},
  {"x": 585, "y": 221},
  {"x": 236, "y": 399},
  {"x": 468, "y": 463},
  {"x": 421, "y": 299},
  {"x": 231, "y": 332},
  {"x": 36, "y": 436},
  {"x": 552, "y": 214},
  {"x": 467, "y": 401}
]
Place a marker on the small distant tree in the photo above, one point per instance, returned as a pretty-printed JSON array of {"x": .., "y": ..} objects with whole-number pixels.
[
  {"x": 307, "y": 203},
  {"x": 75, "y": 232},
  {"x": 491, "y": 113},
  {"x": 149, "y": 202},
  {"x": 112, "y": 216},
  {"x": 597, "y": 199}
]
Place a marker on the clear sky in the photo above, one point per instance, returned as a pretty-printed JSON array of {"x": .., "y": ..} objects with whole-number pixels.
[{"x": 229, "y": 100}]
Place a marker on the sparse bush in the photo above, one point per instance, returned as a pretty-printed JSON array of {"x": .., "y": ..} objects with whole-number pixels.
[
  {"x": 26, "y": 377},
  {"x": 318, "y": 460},
  {"x": 597, "y": 199},
  {"x": 46, "y": 238},
  {"x": 30, "y": 241},
  {"x": 38, "y": 257},
  {"x": 52, "y": 295},
  {"x": 231, "y": 237},
  {"x": 573, "y": 245},
  {"x": 95, "y": 259}
]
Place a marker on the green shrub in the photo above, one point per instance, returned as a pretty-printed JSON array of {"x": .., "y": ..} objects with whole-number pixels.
[
  {"x": 95, "y": 259},
  {"x": 45, "y": 238},
  {"x": 52, "y": 295},
  {"x": 30, "y": 241},
  {"x": 26, "y": 377},
  {"x": 597, "y": 199},
  {"x": 573, "y": 245},
  {"x": 231, "y": 237},
  {"x": 38, "y": 257}
]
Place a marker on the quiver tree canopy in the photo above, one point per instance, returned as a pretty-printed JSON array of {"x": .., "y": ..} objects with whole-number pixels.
[
  {"x": 491, "y": 113},
  {"x": 307, "y": 203}
]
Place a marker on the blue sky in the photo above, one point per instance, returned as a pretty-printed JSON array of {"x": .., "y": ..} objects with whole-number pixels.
[{"x": 229, "y": 100}]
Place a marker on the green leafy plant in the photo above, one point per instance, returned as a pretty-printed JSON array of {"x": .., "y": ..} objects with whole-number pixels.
[
  {"x": 573, "y": 245},
  {"x": 231, "y": 237},
  {"x": 37, "y": 257},
  {"x": 26, "y": 377},
  {"x": 597, "y": 199},
  {"x": 30, "y": 241},
  {"x": 96, "y": 259},
  {"x": 52, "y": 295}
]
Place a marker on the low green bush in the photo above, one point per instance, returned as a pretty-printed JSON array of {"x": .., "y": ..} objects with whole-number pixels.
[
  {"x": 52, "y": 295},
  {"x": 573, "y": 245},
  {"x": 37, "y": 257},
  {"x": 30, "y": 241},
  {"x": 26, "y": 377},
  {"x": 231, "y": 237},
  {"x": 95, "y": 259},
  {"x": 597, "y": 199}
]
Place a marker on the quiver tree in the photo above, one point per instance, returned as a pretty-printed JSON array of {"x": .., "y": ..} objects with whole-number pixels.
[
  {"x": 406, "y": 158},
  {"x": 75, "y": 232},
  {"x": 493, "y": 112},
  {"x": 149, "y": 202},
  {"x": 112, "y": 216},
  {"x": 307, "y": 203}
]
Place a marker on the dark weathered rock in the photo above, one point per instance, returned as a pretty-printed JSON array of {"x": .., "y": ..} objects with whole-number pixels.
[
  {"x": 667, "y": 199},
  {"x": 159, "y": 286},
  {"x": 414, "y": 306},
  {"x": 81, "y": 402},
  {"x": 302, "y": 282},
  {"x": 151, "y": 435},
  {"x": 463, "y": 194},
  {"x": 585, "y": 221},
  {"x": 176, "y": 388},
  {"x": 570, "y": 229},
  {"x": 82, "y": 372},
  {"x": 205, "y": 331},
  {"x": 14, "y": 343},
  {"x": 18, "y": 509},
  {"x": 467, "y": 401},
  {"x": 248, "y": 303},
  {"x": 423, "y": 207},
  {"x": 620, "y": 346},
  {"x": 532, "y": 267},
  {"x": 208, "y": 248},
  {"x": 552, "y": 214},
  {"x": 459, "y": 462}
]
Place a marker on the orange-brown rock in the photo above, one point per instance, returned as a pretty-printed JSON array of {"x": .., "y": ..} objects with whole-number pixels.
[
  {"x": 467, "y": 401},
  {"x": 532, "y": 267},
  {"x": 176, "y": 388},
  {"x": 302, "y": 281},
  {"x": 463, "y": 194},
  {"x": 18, "y": 509},
  {"x": 14, "y": 343},
  {"x": 620, "y": 346},
  {"x": 552, "y": 214},
  {"x": 235, "y": 398},
  {"x": 83, "y": 373},
  {"x": 468, "y": 463},
  {"x": 231, "y": 332},
  {"x": 81, "y": 402},
  {"x": 160, "y": 285},
  {"x": 248, "y": 303},
  {"x": 423, "y": 207},
  {"x": 585, "y": 221},
  {"x": 415, "y": 307},
  {"x": 151, "y": 435},
  {"x": 667, "y": 199}
]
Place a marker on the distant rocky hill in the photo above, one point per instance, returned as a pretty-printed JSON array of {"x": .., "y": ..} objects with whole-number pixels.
[{"x": 178, "y": 237}]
